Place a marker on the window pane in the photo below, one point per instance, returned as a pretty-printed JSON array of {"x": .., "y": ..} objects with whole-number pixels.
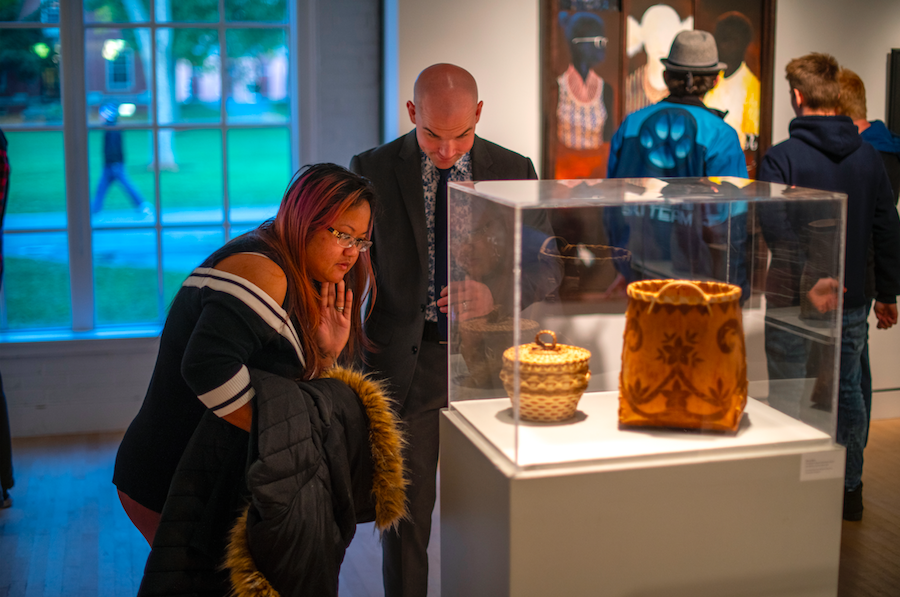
[
  {"x": 117, "y": 62},
  {"x": 37, "y": 183},
  {"x": 256, "y": 10},
  {"x": 116, "y": 11},
  {"x": 258, "y": 172},
  {"x": 125, "y": 277},
  {"x": 183, "y": 250},
  {"x": 257, "y": 75},
  {"x": 29, "y": 77},
  {"x": 122, "y": 188},
  {"x": 236, "y": 231},
  {"x": 190, "y": 184},
  {"x": 36, "y": 280},
  {"x": 195, "y": 11},
  {"x": 190, "y": 89},
  {"x": 47, "y": 11}
]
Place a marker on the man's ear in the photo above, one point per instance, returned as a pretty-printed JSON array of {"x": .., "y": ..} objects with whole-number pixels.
[
  {"x": 478, "y": 111},
  {"x": 797, "y": 96},
  {"x": 411, "y": 108}
]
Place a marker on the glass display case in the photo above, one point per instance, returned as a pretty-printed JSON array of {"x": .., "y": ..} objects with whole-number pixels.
[{"x": 542, "y": 276}]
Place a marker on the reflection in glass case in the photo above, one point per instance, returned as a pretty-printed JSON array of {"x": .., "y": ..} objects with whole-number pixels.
[{"x": 632, "y": 318}]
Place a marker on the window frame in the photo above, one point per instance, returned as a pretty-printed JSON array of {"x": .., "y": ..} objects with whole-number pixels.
[
  {"x": 123, "y": 62},
  {"x": 301, "y": 42}
]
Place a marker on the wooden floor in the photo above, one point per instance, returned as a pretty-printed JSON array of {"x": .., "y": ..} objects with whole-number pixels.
[
  {"x": 870, "y": 549},
  {"x": 66, "y": 533}
]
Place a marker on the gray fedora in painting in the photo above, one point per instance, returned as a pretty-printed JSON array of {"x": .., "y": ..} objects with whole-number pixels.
[{"x": 694, "y": 52}]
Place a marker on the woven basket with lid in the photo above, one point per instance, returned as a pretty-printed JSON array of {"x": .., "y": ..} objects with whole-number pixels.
[{"x": 552, "y": 377}]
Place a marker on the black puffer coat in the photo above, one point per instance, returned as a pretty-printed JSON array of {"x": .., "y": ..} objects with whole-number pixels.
[{"x": 322, "y": 456}]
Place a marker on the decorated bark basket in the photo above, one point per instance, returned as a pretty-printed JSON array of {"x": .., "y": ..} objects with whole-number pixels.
[
  {"x": 684, "y": 362},
  {"x": 552, "y": 377}
]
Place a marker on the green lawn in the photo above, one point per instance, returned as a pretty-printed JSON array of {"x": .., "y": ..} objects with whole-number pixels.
[
  {"x": 38, "y": 291},
  {"x": 37, "y": 294},
  {"x": 258, "y": 169},
  {"x": 37, "y": 172}
]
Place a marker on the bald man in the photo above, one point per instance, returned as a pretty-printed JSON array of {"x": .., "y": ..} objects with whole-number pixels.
[{"x": 411, "y": 351}]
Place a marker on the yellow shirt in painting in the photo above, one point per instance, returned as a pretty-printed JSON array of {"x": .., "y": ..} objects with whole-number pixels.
[{"x": 739, "y": 96}]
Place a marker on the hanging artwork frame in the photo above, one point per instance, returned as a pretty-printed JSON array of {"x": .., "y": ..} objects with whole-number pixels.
[{"x": 600, "y": 62}]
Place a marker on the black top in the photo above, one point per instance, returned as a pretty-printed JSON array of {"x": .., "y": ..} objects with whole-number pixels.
[
  {"x": 218, "y": 325},
  {"x": 112, "y": 147}
]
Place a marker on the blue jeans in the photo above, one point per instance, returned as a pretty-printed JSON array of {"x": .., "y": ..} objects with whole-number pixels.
[
  {"x": 786, "y": 358},
  {"x": 853, "y": 416},
  {"x": 867, "y": 372},
  {"x": 112, "y": 173}
]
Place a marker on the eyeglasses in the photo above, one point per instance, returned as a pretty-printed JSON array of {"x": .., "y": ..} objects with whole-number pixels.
[
  {"x": 346, "y": 241},
  {"x": 599, "y": 41}
]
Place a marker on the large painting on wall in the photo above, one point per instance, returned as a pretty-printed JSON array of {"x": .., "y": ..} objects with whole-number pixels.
[{"x": 601, "y": 61}]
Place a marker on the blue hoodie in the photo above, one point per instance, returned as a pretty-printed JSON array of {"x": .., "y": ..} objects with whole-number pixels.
[
  {"x": 881, "y": 138},
  {"x": 827, "y": 153},
  {"x": 888, "y": 144}
]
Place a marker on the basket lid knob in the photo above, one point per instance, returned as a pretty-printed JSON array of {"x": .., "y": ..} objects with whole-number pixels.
[{"x": 542, "y": 344}]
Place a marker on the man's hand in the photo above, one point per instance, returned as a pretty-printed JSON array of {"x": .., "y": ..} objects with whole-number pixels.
[
  {"x": 471, "y": 299},
  {"x": 824, "y": 295},
  {"x": 886, "y": 314}
]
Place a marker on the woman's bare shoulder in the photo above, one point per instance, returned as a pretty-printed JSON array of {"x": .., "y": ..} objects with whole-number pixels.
[{"x": 259, "y": 270}]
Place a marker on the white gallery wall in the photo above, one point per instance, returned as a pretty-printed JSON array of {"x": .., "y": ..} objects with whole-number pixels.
[{"x": 495, "y": 40}]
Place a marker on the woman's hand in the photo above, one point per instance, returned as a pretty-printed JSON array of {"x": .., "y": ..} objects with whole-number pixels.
[{"x": 335, "y": 308}]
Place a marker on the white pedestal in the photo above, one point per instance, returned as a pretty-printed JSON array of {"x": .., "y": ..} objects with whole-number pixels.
[{"x": 649, "y": 513}]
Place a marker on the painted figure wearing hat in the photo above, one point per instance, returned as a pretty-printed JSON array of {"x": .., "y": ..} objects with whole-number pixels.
[{"x": 680, "y": 136}]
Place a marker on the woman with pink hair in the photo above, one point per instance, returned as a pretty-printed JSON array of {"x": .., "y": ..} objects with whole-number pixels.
[{"x": 280, "y": 298}]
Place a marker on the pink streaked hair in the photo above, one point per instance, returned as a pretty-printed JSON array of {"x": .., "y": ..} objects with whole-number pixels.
[{"x": 315, "y": 199}]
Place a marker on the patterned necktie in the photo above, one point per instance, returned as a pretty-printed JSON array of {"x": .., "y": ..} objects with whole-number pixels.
[{"x": 441, "y": 266}]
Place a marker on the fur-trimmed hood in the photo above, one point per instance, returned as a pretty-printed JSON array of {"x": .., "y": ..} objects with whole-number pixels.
[
  {"x": 387, "y": 488},
  {"x": 386, "y": 443}
]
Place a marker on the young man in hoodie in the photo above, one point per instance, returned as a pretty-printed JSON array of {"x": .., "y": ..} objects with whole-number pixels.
[
  {"x": 853, "y": 104},
  {"x": 825, "y": 151}
]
